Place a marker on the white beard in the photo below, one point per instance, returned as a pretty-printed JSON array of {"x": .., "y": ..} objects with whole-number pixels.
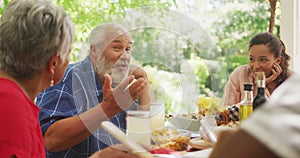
[{"x": 117, "y": 73}]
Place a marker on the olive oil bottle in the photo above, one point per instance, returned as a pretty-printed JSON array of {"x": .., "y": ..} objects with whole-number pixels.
[
  {"x": 246, "y": 107},
  {"x": 260, "y": 97}
]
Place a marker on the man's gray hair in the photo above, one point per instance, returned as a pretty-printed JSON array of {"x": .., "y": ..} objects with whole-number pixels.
[
  {"x": 99, "y": 35},
  {"x": 31, "y": 32}
]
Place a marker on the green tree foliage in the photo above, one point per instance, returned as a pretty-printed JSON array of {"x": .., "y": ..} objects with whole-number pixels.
[
  {"x": 240, "y": 26},
  {"x": 90, "y": 13},
  {"x": 3, "y": 4},
  {"x": 87, "y": 14}
]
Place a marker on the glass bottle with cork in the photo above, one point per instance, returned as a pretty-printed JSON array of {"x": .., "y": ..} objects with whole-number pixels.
[
  {"x": 260, "y": 97},
  {"x": 246, "y": 107}
]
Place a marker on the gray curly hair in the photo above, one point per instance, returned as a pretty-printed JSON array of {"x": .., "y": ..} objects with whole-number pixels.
[
  {"x": 104, "y": 33},
  {"x": 31, "y": 32}
]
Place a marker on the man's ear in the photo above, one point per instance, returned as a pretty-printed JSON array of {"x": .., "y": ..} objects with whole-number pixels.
[
  {"x": 93, "y": 50},
  {"x": 93, "y": 54}
]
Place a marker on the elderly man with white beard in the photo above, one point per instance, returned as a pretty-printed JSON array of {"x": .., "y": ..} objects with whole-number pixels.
[{"x": 72, "y": 111}]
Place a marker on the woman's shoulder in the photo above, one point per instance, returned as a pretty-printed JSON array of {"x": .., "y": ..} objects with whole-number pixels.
[
  {"x": 241, "y": 75},
  {"x": 241, "y": 70},
  {"x": 290, "y": 72}
]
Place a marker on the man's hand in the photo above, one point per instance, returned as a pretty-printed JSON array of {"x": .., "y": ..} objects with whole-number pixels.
[
  {"x": 119, "y": 99},
  {"x": 138, "y": 72},
  {"x": 147, "y": 96}
]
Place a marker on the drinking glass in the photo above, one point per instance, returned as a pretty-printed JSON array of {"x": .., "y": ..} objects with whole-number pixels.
[
  {"x": 138, "y": 127},
  {"x": 157, "y": 111}
]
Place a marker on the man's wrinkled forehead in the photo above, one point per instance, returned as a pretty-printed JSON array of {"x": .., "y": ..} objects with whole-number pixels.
[
  {"x": 119, "y": 35},
  {"x": 123, "y": 39}
]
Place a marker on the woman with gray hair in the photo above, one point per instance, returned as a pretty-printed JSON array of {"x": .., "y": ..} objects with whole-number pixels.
[{"x": 35, "y": 42}]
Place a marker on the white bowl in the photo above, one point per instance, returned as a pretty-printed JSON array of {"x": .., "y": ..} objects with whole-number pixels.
[{"x": 181, "y": 122}]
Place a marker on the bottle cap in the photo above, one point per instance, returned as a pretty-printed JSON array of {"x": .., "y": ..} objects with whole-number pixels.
[
  {"x": 260, "y": 75},
  {"x": 248, "y": 86}
]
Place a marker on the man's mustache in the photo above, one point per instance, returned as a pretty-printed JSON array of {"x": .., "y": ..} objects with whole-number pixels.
[{"x": 122, "y": 63}]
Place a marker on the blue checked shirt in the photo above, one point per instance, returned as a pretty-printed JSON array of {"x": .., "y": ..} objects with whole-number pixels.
[{"x": 78, "y": 91}]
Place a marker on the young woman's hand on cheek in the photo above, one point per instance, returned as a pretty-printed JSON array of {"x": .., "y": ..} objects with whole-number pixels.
[{"x": 276, "y": 71}]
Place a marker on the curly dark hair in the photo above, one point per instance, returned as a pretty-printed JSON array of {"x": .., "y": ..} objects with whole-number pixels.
[{"x": 277, "y": 47}]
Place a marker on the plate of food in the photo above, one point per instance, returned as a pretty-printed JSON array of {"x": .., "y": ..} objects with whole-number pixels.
[
  {"x": 191, "y": 121},
  {"x": 174, "y": 139},
  {"x": 226, "y": 127},
  {"x": 198, "y": 154},
  {"x": 200, "y": 143}
]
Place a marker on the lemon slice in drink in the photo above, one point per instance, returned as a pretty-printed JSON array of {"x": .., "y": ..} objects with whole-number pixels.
[{"x": 204, "y": 102}]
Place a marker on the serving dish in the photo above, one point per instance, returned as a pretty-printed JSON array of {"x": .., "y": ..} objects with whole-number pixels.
[
  {"x": 185, "y": 123},
  {"x": 174, "y": 139}
]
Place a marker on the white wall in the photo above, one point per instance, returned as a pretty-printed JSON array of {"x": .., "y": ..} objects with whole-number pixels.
[{"x": 290, "y": 31}]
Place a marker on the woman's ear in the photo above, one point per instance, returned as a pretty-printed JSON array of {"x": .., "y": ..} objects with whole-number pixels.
[
  {"x": 278, "y": 60},
  {"x": 53, "y": 63}
]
